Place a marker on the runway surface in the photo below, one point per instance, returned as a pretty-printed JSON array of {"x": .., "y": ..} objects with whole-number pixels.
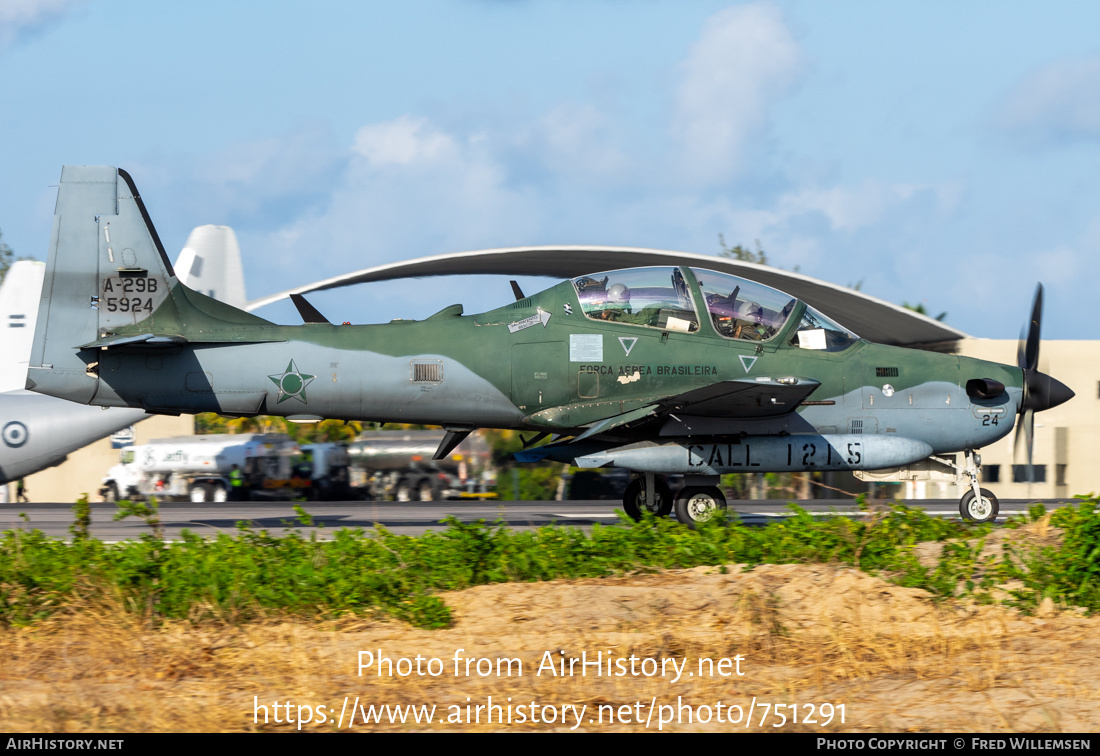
[{"x": 407, "y": 518}]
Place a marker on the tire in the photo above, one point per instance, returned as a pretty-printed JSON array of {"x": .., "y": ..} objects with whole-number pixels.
[
  {"x": 199, "y": 493},
  {"x": 696, "y": 504},
  {"x": 425, "y": 492},
  {"x": 634, "y": 499},
  {"x": 218, "y": 493},
  {"x": 979, "y": 510},
  {"x": 110, "y": 493},
  {"x": 403, "y": 493}
]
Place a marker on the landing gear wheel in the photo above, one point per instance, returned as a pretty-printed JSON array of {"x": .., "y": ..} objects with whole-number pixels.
[
  {"x": 634, "y": 499},
  {"x": 979, "y": 510},
  {"x": 425, "y": 492},
  {"x": 698, "y": 504}
]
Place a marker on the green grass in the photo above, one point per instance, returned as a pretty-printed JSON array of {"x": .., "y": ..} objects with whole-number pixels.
[{"x": 254, "y": 573}]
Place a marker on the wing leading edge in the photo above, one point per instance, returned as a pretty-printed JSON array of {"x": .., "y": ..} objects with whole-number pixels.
[{"x": 734, "y": 399}]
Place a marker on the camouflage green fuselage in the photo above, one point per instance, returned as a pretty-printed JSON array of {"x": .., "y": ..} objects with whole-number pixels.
[{"x": 559, "y": 372}]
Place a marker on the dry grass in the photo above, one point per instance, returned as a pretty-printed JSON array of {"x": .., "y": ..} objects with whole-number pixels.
[{"x": 808, "y": 633}]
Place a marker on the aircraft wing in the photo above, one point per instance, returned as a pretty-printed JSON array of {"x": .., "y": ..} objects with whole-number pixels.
[
  {"x": 742, "y": 398},
  {"x": 739, "y": 398}
]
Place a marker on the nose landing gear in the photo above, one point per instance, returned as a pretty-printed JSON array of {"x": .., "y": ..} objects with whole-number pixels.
[
  {"x": 981, "y": 508},
  {"x": 977, "y": 504}
]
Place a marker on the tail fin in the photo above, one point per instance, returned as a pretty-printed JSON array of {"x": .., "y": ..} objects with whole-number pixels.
[
  {"x": 19, "y": 295},
  {"x": 109, "y": 283},
  {"x": 210, "y": 262}
]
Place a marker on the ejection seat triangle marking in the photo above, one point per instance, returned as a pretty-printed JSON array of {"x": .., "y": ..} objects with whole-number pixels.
[
  {"x": 746, "y": 361},
  {"x": 628, "y": 343}
]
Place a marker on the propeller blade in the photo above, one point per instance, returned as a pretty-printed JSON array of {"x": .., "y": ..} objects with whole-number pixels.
[
  {"x": 1025, "y": 428},
  {"x": 1027, "y": 350},
  {"x": 1029, "y": 435}
]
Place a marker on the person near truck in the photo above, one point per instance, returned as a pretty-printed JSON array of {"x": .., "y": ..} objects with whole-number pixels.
[{"x": 236, "y": 483}]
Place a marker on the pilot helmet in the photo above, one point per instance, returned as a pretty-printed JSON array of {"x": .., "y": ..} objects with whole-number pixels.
[
  {"x": 618, "y": 293},
  {"x": 750, "y": 311}
]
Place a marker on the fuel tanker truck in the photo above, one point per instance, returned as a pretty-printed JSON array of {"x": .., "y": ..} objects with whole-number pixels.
[
  {"x": 398, "y": 465},
  {"x": 203, "y": 468}
]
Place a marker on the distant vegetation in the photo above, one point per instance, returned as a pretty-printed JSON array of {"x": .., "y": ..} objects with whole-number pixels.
[
  {"x": 7, "y": 257},
  {"x": 255, "y": 573}
]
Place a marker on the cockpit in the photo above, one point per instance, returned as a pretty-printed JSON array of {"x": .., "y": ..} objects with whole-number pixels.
[
  {"x": 738, "y": 309},
  {"x": 654, "y": 297}
]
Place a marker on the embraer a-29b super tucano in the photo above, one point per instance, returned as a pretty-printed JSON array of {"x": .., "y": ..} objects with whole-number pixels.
[{"x": 657, "y": 370}]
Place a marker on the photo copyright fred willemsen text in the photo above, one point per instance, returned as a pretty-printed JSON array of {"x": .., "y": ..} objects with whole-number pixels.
[{"x": 658, "y": 713}]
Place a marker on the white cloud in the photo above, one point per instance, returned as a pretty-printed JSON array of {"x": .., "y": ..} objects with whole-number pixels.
[
  {"x": 744, "y": 61},
  {"x": 579, "y": 140},
  {"x": 403, "y": 141},
  {"x": 1058, "y": 265},
  {"x": 1059, "y": 101},
  {"x": 17, "y": 16},
  {"x": 280, "y": 174},
  {"x": 407, "y": 189},
  {"x": 847, "y": 208},
  {"x": 839, "y": 209}
]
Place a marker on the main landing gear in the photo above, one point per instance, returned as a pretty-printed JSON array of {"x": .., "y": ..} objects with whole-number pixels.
[
  {"x": 637, "y": 498},
  {"x": 693, "y": 504}
]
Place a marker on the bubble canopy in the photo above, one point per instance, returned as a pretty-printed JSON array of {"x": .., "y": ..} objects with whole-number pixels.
[
  {"x": 660, "y": 297},
  {"x": 742, "y": 309}
]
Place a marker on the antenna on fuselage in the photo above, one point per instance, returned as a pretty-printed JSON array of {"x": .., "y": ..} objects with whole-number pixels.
[{"x": 309, "y": 313}]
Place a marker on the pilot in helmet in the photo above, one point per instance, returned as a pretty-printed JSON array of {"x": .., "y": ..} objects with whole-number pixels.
[
  {"x": 750, "y": 312},
  {"x": 750, "y": 320},
  {"x": 616, "y": 303},
  {"x": 618, "y": 293}
]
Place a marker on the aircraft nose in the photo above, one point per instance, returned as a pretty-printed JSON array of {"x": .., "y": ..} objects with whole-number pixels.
[{"x": 1044, "y": 392}]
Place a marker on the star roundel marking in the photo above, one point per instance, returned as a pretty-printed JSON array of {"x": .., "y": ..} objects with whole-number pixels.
[{"x": 292, "y": 383}]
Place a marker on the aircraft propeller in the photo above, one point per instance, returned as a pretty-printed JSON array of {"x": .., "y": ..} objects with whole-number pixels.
[{"x": 1040, "y": 390}]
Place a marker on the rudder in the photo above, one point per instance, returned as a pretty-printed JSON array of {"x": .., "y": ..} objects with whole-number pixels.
[{"x": 106, "y": 271}]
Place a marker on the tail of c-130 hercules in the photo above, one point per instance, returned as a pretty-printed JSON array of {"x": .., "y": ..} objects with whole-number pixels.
[{"x": 110, "y": 285}]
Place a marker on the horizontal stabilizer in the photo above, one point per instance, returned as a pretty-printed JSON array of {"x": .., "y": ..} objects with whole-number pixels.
[
  {"x": 161, "y": 341},
  {"x": 144, "y": 339}
]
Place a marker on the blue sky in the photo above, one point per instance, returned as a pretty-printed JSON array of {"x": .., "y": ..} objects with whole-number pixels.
[{"x": 937, "y": 152}]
